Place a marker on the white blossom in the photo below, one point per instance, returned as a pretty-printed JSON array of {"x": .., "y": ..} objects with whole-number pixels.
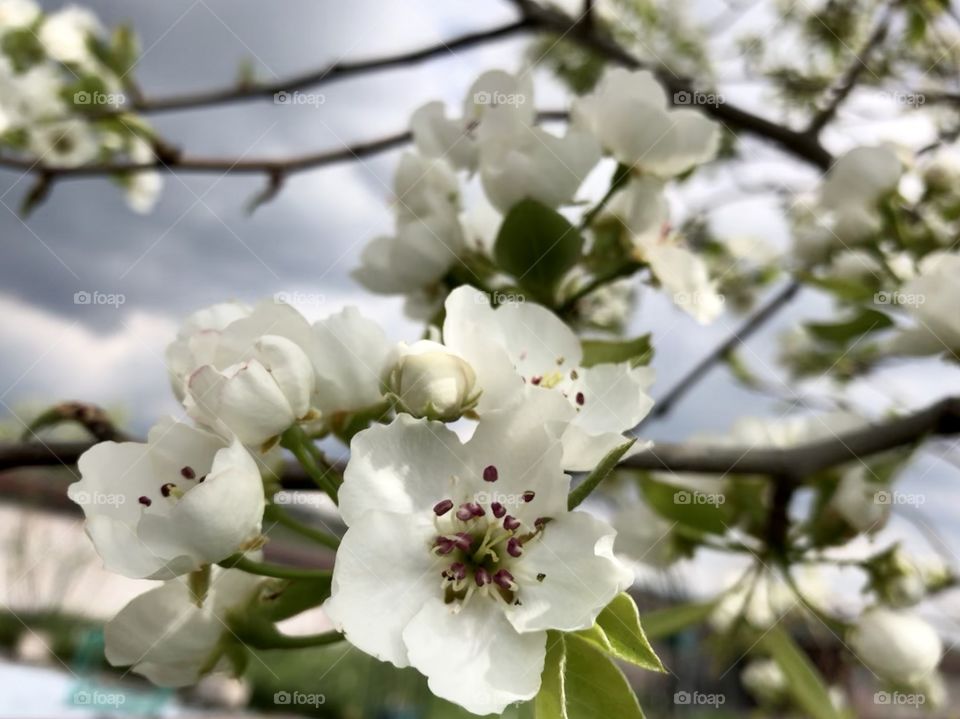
[
  {"x": 860, "y": 500},
  {"x": 185, "y": 498},
  {"x": 165, "y": 636},
  {"x": 519, "y": 162},
  {"x": 65, "y": 34},
  {"x": 16, "y": 14},
  {"x": 932, "y": 298},
  {"x": 629, "y": 114},
  {"x": 765, "y": 680},
  {"x": 429, "y": 381},
  {"x": 69, "y": 143},
  {"x": 459, "y": 557},
  {"x": 428, "y": 238},
  {"x": 899, "y": 646},
  {"x": 522, "y": 352},
  {"x": 259, "y": 397}
]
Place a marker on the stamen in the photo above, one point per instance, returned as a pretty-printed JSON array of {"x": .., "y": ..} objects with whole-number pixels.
[
  {"x": 443, "y": 545},
  {"x": 529, "y": 495},
  {"x": 510, "y": 523},
  {"x": 463, "y": 541},
  {"x": 580, "y": 398},
  {"x": 167, "y": 489},
  {"x": 498, "y": 510},
  {"x": 442, "y": 507},
  {"x": 145, "y": 501},
  {"x": 464, "y": 512},
  {"x": 458, "y": 570},
  {"x": 490, "y": 473},
  {"x": 481, "y": 576},
  {"x": 536, "y": 379},
  {"x": 504, "y": 579},
  {"x": 514, "y": 548},
  {"x": 188, "y": 473}
]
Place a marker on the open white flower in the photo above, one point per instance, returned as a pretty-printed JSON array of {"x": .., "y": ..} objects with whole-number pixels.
[
  {"x": 183, "y": 499},
  {"x": 519, "y": 162},
  {"x": 455, "y": 140},
  {"x": 429, "y": 381},
  {"x": 164, "y": 636},
  {"x": 65, "y": 34},
  {"x": 629, "y": 114},
  {"x": 66, "y": 144},
  {"x": 522, "y": 352},
  {"x": 428, "y": 237},
  {"x": 258, "y": 398},
  {"x": 760, "y": 602},
  {"x": 459, "y": 557},
  {"x": 16, "y": 14},
  {"x": 932, "y": 298},
  {"x": 197, "y": 341},
  {"x": 899, "y": 646},
  {"x": 860, "y": 178}
]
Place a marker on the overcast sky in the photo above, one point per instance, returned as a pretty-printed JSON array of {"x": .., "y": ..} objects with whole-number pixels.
[{"x": 199, "y": 246}]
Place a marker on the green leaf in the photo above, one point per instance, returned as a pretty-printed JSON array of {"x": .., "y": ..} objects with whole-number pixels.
[
  {"x": 537, "y": 245},
  {"x": 617, "y": 632},
  {"x": 284, "y": 598},
  {"x": 671, "y": 620},
  {"x": 580, "y": 682},
  {"x": 599, "y": 473},
  {"x": 862, "y": 323},
  {"x": 700, "y": 511},
  {"x": 637, "y": 351},
  {"x": 804, "y": 682}
]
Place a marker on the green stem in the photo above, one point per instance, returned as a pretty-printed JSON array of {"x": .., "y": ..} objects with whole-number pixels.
[
  {"x": 278, "y": 640},
  {"x": 620, "y": 175},
  {"x": 263, "y": 569},
  {"x": 597, "y": 282},
  {"x": 600, "y": 472},
  {"x": 276, "y": 514},
  {"x": 309, "y": 457}
]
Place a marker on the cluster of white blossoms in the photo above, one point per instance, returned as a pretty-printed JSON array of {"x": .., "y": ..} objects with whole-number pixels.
[
  {"x": 846, "y": 211},
  {"x": 58, "y": 71},
  {"x": 460, "y": 555},
  {"x": 496, "y": 139}
]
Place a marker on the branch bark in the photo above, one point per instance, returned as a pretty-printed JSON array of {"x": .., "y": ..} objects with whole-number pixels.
[
  {"x": 791, "y": 464},
  {"x": 799, "y": 144}
]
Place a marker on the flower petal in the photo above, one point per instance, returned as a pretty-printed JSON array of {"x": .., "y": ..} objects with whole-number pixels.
[
  {"x": 581, "y": 575},
  {"x": 383, "y": 574},
  {"x": 473, "y": 657},
  {"x": 406, "y": 466}
]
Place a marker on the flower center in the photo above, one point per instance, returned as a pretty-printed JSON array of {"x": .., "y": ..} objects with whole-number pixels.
[
  {"x": 483, "y": 545},
  {"x": 173, "y": 491}
]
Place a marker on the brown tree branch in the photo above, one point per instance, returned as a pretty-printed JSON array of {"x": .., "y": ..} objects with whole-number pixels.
[
  {"x": 314, "y": 78},
  {"x": 849, "y": 79},
  {"x": 790, "y": 464},
  {"x": 799, "y": 144}
]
